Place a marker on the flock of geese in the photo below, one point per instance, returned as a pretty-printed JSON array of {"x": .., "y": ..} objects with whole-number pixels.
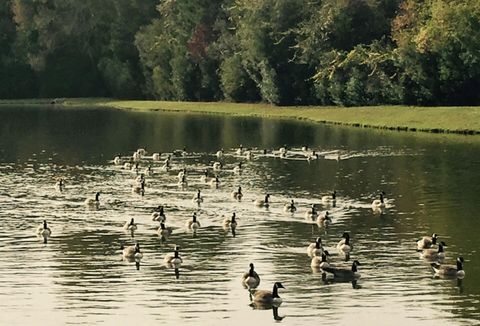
[{"x": 141, "y": 165}]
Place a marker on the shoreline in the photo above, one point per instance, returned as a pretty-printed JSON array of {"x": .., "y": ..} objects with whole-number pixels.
[{"x": 436, "y": 120}]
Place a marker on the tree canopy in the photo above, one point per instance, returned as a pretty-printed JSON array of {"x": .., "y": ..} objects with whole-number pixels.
[{"x": 286, "y": 52}]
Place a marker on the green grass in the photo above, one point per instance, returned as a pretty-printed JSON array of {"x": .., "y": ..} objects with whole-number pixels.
[{"x": 464, "y": 120}]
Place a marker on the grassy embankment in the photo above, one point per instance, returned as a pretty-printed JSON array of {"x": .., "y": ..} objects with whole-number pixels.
[{"x": 463, "y": 120}]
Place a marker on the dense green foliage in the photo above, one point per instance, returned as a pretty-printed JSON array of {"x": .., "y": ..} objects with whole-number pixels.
[{"x": 289, "y": 52}]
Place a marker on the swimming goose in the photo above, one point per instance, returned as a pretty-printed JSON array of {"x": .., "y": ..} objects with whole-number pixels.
[
  {"x": 434, "y": 254},
  {"x": 217, "y": 166},
  {"x": 183, "y": 181},
  {"x": 237, "y": 194},
  {"x": 238, "y": 168},
  {"x": 311, "y": 213},
  {"x": 128, "y": 165},
  {"x": 156, "y": 156},
  {"x": 43, "y": 230},
  {"x": 60, "y": 184},
  {"x": 193, "y": 223},
  {"x": 182, "y": 174},
  {"x": 315, "y": 248},
  {"x": 251, "y": 279},
  {"x": 135, "y": 168},
  {"x": 263, "y": 296},
  {"x": 93, "y": 202},
  {"x": 249, "y": 155},
  {"x": 197, "y": 198},
  {"x": 230, "y": 222},
  {"x": 132, "y": 252},
  {"x": 344, "y": 244},
  {"x": 139, "y": 188},
  {"x": 164, "y": 231},
  {"x": 344, "y": 273},
  {"x": 204, "y": 177},
  {"x": 215, "y": 182},
  {"x": 219, "y": 153},
  {"x": 264, "y": 202},
  {"x": 136, "y": 156},
  {"x": 329, "y": 199},
  {"x": 141, "y": 152},
  {"x": 173, "y": 259},
  {"x": 148, "y": 170},
  {"x": 117, "y": 160},
  {"x": 449, "y": 270},
  {"x": 159, "y": 214},
  {"x": 324, "y": 220},
  {"x": 130, "y": 226},
  {"x": 427, "y": 242},
  {"x": 282, "y": 150},
  {"x": 379, "y": 204},
  {"x": 312, "y": 156},
  {"x": 320, "y": 261},
  {"x": 290, "y": 208},
  {"x": 239, "y": 151},
  {"x": 304, "y": 148}
]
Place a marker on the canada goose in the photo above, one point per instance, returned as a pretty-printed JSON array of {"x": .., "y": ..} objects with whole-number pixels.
[
  {"x": 139, "y": 188},
  {"x": 183, "y": 181},
  {"x": 305, "y": 148},
  {"x": 427, "y": 242},
  {"x": 215, "y": 182},
  {"x": 379, "y": 204},
  {"x": 140, "y": 178},
  {"x": 238, "y": 168},
  {"x": 219, "y": 153},
  {"x": 344, "y": 244},
  {"x": 268, "y": 297},
  {"x": 60, "y": 184},
  {"x": 435, "y": 254},
  {"x": 230, "y": 222},
  {"x": 249, "y": 155},
  {"x": 251, "y": 279},
  {"x": 204, "y": 178},
  {"x": 282, "y": 150},
  {"x": 237, "y": 194},
  {"x": 166, "y": 166},
  {"x": 141, "y": 152},
  {"x": 197, "y": 198},
  {"x": 164, "y": 231},
  {"x": 159, "y": 214},
  {"x": 180, "y": 152},
  {"x": 156, "y": 156},
  {"x": 264, "y": 202},
  {"x": 328, "y": 199},
  {"x": 320, "y": 261},
  {"x": 182, "y": 174},
  {"x": 315, "y": 248},
  {"x": 136, "y": 156},
  {"x": 311, "y": 213},
  {"x": 135, "y": 168},
  {"x": 344, "y": 273},
  {"x": 43, "y": 230},
  {"x": 312, "y": 156},
  {"x": 324, "y": 220},
  {"x": 217, "y": 166},
  {"x": 93, "y": 202},
  {"x": 449, "y": 270},
  {"x": 148, "y": 170},
  {"x": 130, "y": 226},
  {"x": 290, "y": 208},
  {"x": 193, "y": 223},
  {"x": 117, "y": 160},
  {"x": 239, "y": 151},
  {"x": 132, "y": 252},
  {"x": 173, "y": 259}
]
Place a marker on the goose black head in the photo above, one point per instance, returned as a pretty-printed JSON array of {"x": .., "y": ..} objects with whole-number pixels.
[
  {"x": 45, "y": 224},
  {"x": 97, "y": 194},
  {"x": 162, "y": 226},
  {"x": 132, "y": 222},
  {"x": 279, "y": 285},
  {"x": 233, "y": 217},
  {"x": 251, "y": 266}
]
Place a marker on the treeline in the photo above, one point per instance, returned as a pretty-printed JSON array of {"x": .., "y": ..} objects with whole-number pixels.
[{"x": 288, "y": 52}]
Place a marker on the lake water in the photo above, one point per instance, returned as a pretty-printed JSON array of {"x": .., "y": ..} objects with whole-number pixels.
[{"x": 432, "y": 184}]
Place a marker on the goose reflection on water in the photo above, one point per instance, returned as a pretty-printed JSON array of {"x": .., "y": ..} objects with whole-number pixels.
[{"x": 263, "y": 306}]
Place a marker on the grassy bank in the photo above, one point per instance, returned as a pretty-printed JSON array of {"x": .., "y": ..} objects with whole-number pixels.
[{"x": 461, "y": 120}]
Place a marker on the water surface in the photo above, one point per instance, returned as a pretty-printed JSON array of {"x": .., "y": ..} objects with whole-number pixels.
[{"x": 80, "y": 277}]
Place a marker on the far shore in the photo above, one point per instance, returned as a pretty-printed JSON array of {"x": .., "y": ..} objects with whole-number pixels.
[{"x": 457, "y": 120}]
